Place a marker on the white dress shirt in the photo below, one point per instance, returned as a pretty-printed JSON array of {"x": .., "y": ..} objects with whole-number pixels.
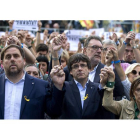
[
  {"x": 92, "y": 74},
  {"x": 82, "y": 91},
  {"x": 13, "y": 96}
]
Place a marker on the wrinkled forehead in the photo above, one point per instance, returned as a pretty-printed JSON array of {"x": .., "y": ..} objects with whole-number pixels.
[
  {"x": 12, "y": 51},
  {"x": 79, "y": 62},
  {"x": 31, "y": 68},
  {"x": 108, "y": 45},
  {"x": 95, "y": 42},
  {"x": 128, "y": 48}
]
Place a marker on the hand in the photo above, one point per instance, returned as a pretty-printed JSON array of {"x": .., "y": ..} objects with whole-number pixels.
[
  {"x": 52, "y": 35},
  {"x": 11, "y": 22},
  {"x": 63, "y": 38},
  {"x": 21, "y": 36},
  {"x": 129, "y": 36},
  {"x": 39, "y": 24},
  {"x": 93, "y": 33},
  {"x": 102, "y": 37},
  {"x": 114, "y": 37},
  {"x": 28, "y": 40},
  {"x": 79, "y": 48},
  {"x": 107, "y": 74},
  {"x": 58, "y": 76},
  {"x": 132, "y": 42},
  {"x": 115, "y": 53},
  {"x": 103, "y": 77},
  {"x": 13, "y": 40},
  {"x": 108, "y": 57},
  {"x": 137, "y": 41},
  {"x": 3, "y": 40},
  {"x": 58, "y": 42}
]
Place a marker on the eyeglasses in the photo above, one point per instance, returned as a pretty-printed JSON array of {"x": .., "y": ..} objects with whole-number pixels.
[
  {"x": 76, "y": 66},
  {"x": 105, "y": 49},
  {"x": 96, "y": 48},
  {"x": 135, "y": 72}
]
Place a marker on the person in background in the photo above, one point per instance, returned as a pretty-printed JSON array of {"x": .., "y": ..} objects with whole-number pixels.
[
  {"x": 64, "y": 58},
  {"x": 43, "y": 65},
  {"x": 32, "y": 70},
  {"x": 125, "y": 109},
  {"x": 129, "y": 52}
]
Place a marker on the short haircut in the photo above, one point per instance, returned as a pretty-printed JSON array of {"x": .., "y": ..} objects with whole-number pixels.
[
  {"x": 30, "y": 65},
  {"x": 65, "y": 55},
  {"x": 90, "y": 38},
  {"x": 109, "y": 42},
  {"x": 77, "y": 58},
  {"x": 12, "y": 46},
  {"x": 41, "y": 47},
  {"x": 43, "y": 58}
]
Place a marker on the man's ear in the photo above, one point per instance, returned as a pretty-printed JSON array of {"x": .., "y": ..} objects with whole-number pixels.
[
  {"x": 70, "y": 72},
  {"x": 24, "y": 61}
]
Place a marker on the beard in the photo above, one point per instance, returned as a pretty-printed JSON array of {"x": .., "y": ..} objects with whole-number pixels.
[{"x": 13, "y": 73}]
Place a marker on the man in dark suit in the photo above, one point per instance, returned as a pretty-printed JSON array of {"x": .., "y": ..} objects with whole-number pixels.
[
  {"x": 92, "y": 48},
  {"x": 26, "y": 97},
  {"x": 83, "y": 98}
]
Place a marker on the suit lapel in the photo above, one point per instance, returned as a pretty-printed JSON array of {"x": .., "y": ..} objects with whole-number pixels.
[
  {"x": 2, "y": 95},
  {"x": 76, "y": 93},
  {"x": 97, "y": 77},
  {"x": 28, "y": 86},
  {"x": 90, "y": 92}
]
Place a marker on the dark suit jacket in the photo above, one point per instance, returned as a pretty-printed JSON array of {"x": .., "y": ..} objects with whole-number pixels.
[
  {"x": 92, "y": 108},
  {"x": 118, "y": 90},
  {"x": 42, "y": 99}
]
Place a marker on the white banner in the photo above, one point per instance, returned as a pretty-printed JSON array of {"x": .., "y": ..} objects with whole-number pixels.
[
  {"x": 97, "y": 31},
  {"x": 73, "y": 37},
  {"x": 137, "y": 36},
  {"x": 107, "y": 34},
  {"x": 25, "y": 25}
]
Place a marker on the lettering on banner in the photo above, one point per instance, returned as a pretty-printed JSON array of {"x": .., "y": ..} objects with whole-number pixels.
[
  {"x": 26, "y": 22},
  {"x": 73, "y": 37}
]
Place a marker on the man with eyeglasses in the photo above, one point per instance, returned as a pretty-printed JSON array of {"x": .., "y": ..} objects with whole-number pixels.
[{"x": 83, "y": 98}]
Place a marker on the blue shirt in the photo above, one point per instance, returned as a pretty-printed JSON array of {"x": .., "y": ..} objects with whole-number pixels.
[{"x": 13, "y": 96}]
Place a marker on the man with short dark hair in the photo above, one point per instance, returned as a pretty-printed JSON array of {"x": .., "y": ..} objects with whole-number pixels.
[
  {"x": 82, "y": 98},
  {"x": 41, "y": 49},
  {"x": 23, "y": 96}
]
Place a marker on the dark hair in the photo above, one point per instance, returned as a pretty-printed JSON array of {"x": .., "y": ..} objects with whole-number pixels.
[
  {"x": 43, "y": 58},
  {"x": 41, "y": 47},
  {"x": 33, "y": 66},
  {"x": 12, "y": 46},
  {"x": 77, "y": 58},
  {"x": 92, "y": 37},
  {"x": 134, "y": 85}
]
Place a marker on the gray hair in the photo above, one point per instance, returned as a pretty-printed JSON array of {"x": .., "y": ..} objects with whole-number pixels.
[{"x": 109, "y": 42}]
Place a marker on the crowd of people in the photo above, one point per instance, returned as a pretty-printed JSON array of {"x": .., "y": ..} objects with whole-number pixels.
[{"x": 43, "y": 79}]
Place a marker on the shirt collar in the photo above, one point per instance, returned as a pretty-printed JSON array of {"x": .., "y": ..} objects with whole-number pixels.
[
  {"x": 111, "y": 66},
  {"x": 77, "y": 83},
  {"x": 22, "y": 79},
  {"x": 94, "y": 69}
]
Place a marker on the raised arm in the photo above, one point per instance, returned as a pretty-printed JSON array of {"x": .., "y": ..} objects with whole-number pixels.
[
  {"x": 38, "y": 33},
  {"x": 108, "y": 75},
  {"x": 130, "y": 35}
]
